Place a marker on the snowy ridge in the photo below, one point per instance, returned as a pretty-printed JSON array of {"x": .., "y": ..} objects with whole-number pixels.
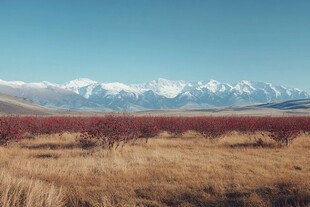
[
  {"x": 18, "y": 84},
  {"x": 86, "y": 94},
  {"x": 75, "y": 85},
  {"x": 161, "y": 86}
]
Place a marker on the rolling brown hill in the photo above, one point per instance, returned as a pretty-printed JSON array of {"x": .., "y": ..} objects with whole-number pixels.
[{"x": 12, "y": 105}]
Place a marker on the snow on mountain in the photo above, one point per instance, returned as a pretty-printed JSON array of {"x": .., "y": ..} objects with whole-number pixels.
[
  {"x": 244, "y": 87},
  {"x": 46, "y": 94},
  {"x": 12, "y": 83},
  {"x": 76, "y": 84},
  {"x": 44, "y": 84},
  {"x": 163, "y": 87},
  {"x": 18, "y": 84},
  {"x": 87, "y": 94},
  {"x": 212, "y": 86},
  {"x": 116, "y": 87}
]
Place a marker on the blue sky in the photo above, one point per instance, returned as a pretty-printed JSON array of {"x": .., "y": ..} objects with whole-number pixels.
[{"x": 136, "y": 41}]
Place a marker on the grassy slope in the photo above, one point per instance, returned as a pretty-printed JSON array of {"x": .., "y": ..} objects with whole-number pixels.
[
  {"x": 15, "y": 106},
  {"x": 12, "y": 105},
  {"x": 182, "y": 171}
]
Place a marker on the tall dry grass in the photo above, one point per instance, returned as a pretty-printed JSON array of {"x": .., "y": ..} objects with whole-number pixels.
[
  {"x": 28, "y": 192},
  {"x": 182, "y": 171}
]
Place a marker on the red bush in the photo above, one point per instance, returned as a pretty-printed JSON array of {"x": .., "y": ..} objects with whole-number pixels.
[{"x": 113, "y": 130}]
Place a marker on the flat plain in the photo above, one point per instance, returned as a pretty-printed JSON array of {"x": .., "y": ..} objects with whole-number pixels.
[{"x": 189, "y": 170}]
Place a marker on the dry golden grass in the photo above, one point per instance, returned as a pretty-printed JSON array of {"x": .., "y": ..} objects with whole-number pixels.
[{"x": 183, "y": 171}]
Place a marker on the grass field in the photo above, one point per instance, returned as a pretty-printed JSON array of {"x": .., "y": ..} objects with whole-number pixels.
[{"x": 166, "y": 171}]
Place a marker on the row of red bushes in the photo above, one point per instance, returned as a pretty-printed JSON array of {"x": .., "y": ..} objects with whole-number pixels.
[{"x": 112, "y": 130}]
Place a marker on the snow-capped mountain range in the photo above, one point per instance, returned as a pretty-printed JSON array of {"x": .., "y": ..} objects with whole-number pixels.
[{"x": 86, "y": 94}]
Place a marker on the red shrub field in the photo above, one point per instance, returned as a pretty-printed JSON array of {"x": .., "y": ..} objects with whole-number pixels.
[
  {"x": 112, "y": 130},
  {"x": 80, "y": 161}
]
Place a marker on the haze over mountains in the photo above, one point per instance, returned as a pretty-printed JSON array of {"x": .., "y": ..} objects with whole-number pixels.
[{"x": 86, "y": 94}]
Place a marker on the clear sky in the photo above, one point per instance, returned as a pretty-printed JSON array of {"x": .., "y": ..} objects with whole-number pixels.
[{"x": 135, "y": 41}]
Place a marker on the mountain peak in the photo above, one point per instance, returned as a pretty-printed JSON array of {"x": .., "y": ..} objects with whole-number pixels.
[
  {"x": 163, "y": 80},
  {"x": 77, "y": 84},
  {"x": 246, "y": 82},
  {"x": 80, "y": 82},
  {"x": 212, "y": 81},
  {"x": 165, "y": 87}
]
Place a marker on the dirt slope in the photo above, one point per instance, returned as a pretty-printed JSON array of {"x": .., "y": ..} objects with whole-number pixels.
[{"x": 12, "y": 105}]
